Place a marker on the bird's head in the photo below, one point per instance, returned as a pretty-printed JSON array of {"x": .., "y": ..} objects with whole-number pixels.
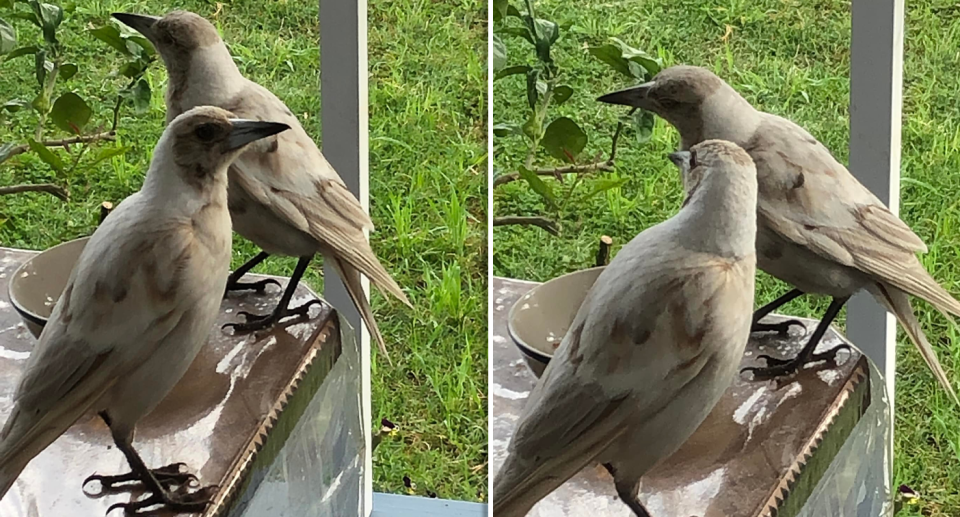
[
  {"x": 205, "y": 140},
  {"x": 176, "y": 34},
  {"x": 713, "y": 157}
]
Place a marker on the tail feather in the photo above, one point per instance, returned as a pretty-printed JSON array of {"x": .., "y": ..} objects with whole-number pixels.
[
  {"x": 19, "y": 443},
  {"x": 351, "y": 280},
  {"x": 898, "y": 302}
]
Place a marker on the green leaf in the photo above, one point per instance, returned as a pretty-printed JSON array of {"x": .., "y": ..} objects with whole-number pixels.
[
  {"x": 643, "y": 122},
  {"x": 499, "y": 53},
  {"x": 511, "y": 70},
  {"x": 68, "y": 70},
  {"x": 50, "y": 17},
  {"x": 147, "y": 49},
  {"x": 523, "y": 32},
  {"x": 627, "y": 60},
  {"x": 538, "y": 186},
  {"x": 8, "y": 37},
  {"x": 107, "y": 153},
  {"x": 40, "y": 103},
  {"x": 6, "y": 4},
  {"x": 141, "y": 96},
  {"x": 5, "y": 150},
  {"x": 561, "y": 94},
  {"x": 503, "y": 130},
  {"x": 46, "y": 155},
  {"x": 547, "y": 33},
  {"x": 70, "y": 113},
  {"x": 15, "y": 105},
  {"x": 532, "y": 94},
  {"x": 22, "y": 51},
  {"x": 131, "y": 69},
  {"x": 29, "y": 16},
  {"x": 111, "y": 36},
  {"x": 500, "y": 8},
  {"x": 40, "y": 66},
  {"x": 650, "y": 64},
  {"x": 564, "y": 139},
  {"x": 531, "y": 128},
  {"x": 604, "y": 184},
  {"x": 613, "y": 56}
]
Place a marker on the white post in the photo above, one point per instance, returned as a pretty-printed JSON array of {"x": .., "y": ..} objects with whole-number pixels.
[
  {"x": 343, "y": 92},
  {"x": 876, "y": 82}
]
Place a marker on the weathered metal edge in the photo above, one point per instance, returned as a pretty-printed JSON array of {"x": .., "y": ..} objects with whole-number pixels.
[
  {"x": 785, "y": 499},
  {"x": 264, "y": 442}
]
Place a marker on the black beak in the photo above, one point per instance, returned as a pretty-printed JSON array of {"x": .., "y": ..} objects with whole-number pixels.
[
  {"x": 141, "y": 23},
  {"x": 246, "y": 131},
  {"x": 636, "y": 96},
  {"x": 680, "y": 158}
]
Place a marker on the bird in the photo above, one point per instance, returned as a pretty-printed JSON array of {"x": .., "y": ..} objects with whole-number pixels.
[
  {"x": 284, "y": 195},
  {"x": 138, "y": 306},
  {"x": 819, "y": 229},
  {"x": 654, "y": 345}
]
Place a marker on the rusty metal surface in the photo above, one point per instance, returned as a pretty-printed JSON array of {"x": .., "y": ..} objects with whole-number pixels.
[
  {"x": 756, "y": 441},
  {"x": 207, "y": 421}
]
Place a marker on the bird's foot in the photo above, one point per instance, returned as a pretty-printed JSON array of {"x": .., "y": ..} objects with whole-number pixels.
[
  {"x": 181, "y": 501},
  {"x": 170, "y": 475},
  {"x": 255, "y": 322},
  {"x": 260, "y": 286},
  {"x": 782, "y": 328},
  {"x": 783, "y": 367}
]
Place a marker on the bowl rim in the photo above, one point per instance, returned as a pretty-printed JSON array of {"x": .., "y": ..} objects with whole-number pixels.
[
  {"x": 512, "y": 332},
  {"x": 25, "y": 312}
]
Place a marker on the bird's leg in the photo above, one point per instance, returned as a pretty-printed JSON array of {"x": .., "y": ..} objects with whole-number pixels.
[
  {"x": 780, "y": 367},
  {"x": 178, "y": 501},
  {"x": 257, "y": 322},
  {"x": 234, "y": 283},
  {"x": 783, "y": 327},
  {"x": 627, "y": 492}
]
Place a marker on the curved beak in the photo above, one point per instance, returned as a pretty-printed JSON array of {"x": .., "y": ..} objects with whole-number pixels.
[
  {"x": 246, "y": 131},
  {"x": 680, "y": 158},
  {"x": 141, "y": 23},
  {"x": 636, "y": 96}
]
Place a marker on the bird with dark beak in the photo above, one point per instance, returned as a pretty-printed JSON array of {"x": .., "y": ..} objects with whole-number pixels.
[
  {"x": 284, "y": 195},
  {"x": 818, "y": 228}
]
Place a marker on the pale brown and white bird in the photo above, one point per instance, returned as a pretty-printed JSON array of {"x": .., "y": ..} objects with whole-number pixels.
[
  {"x": 652, "y": 348},
  {"x": 139, "y": 304},
  {"x": 284, "y": 195},
  {"x": 818, "y": 228}
]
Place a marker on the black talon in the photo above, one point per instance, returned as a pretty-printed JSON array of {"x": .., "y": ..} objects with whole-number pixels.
[
  {"x": 186, "y": 502},
  {"x": 234, "y": 283},
  {"x": 782, "y": 328},
  {"x": 169, "y": 475},
  {"x": 259, "y": 286},
  {"x": 254, "y": 322}
]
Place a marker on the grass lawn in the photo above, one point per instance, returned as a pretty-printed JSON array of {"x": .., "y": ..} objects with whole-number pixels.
[
  {"x": 427, "y": 179},
  {"x": 790, "y": 58}
]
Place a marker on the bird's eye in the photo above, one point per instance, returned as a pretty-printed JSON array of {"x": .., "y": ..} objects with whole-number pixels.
[
  {"x": 669, "y": 103},
  {"x": 206, "y": 132},
  {"x": 693, "y": 160}
]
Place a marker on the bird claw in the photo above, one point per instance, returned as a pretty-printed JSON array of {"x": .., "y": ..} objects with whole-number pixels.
[
  {"x": 253, "y": 322},
  {"x": 167, "y": 476},
  {"x": 783, "y": 367},
  {"x": 782, "y": 328},
  {"x": 178, "y": 501},
  {"x": 259, "y": 286}
]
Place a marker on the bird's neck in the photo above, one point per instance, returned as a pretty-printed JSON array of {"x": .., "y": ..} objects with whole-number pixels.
[
  {"x": 725, "y": 115},
  {"x": 208, "y": 75},
  {"x": 166, "y": 181},
  {"x": 720, "y": 216}
]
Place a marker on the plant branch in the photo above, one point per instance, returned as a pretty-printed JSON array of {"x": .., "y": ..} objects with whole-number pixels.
[
  {"x": 49, "y": 188},
  {"x": 82, "y": 139},
  {"x": 606, "y": 166},
  {"x": 542, "y": 222}
]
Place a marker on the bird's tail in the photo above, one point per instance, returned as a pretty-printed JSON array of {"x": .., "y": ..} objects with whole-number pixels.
[
  {"x": 898, "y": 302},
  {"x": 519, "y": 486},
  {"x": 351, "y": 280},
  {"x": 18, "y": 448}
]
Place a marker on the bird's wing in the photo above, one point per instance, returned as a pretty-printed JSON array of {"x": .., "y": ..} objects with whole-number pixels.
[
  {"x": 643, "y": 321},
  {"x": 289, "y": 174},
  {"x": 120, "y": 301},
  {"x": 812, "y": 200}
]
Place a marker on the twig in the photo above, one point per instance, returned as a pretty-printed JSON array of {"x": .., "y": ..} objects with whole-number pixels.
[
  {"x": 106, "y": 135},
  {"x": 542, "y": 222},
  {"x": 603, "y": 252},
  {"x": 605, "y": 166},
  {"x": 49, "y": 188},
  {"x": 105, "y": 208}
]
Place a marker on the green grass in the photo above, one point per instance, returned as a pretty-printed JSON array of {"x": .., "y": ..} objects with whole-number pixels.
[
  {"x": 787, "y": 57},
  {"x": 427, "y": 178}
]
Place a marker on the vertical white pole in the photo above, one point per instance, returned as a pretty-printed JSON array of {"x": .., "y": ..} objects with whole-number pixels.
[
  {"x": 343, "y": 91},
  {"x": 876, "y": 84}
]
